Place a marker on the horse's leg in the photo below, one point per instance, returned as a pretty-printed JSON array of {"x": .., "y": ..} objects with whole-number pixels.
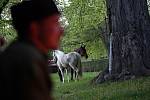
[
  {"x": 60, "y": 75},
  {"x": 63, "y": 76},
  {"x": 76, "y": 70},
  {"x": 72, "y": 71},
  {"x": 67, "y": 74},
  {"x": 75, "y": 74}
]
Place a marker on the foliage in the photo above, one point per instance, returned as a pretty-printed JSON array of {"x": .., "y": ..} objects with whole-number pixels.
[
  {"x": 137, "y": 89},
  {"x": 83, "y": 18},
  {"x": 6, "y": 29},
  {"x": 3, "y": 3}
]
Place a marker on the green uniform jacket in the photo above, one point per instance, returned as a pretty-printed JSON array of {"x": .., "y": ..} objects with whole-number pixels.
[{"x": 24, "y": 73}]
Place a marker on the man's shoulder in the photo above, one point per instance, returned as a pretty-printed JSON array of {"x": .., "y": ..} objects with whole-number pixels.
[{"x": 21, "y": 50}]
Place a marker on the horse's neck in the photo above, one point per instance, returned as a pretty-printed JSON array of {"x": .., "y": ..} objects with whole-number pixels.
[
  {"x": 59, "y": 54},
  {"x": 77, "y": 51}
]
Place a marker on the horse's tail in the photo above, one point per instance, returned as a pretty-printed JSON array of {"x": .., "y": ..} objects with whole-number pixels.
[{"x": 80, "y": 67}]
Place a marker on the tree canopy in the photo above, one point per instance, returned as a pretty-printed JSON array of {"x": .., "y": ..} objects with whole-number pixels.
[{"x": 83, "y": 20}]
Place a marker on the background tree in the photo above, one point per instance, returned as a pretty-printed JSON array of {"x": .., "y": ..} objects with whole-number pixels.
[
  {"x": 130, "y": 27},
  {"x": 84, "y": 18},
  {"x": 6, "y": 29}
]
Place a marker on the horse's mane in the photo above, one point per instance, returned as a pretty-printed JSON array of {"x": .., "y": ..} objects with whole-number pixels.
[
  {"x": 58, "y": 51},
  {"x": 77, "y": 50}
]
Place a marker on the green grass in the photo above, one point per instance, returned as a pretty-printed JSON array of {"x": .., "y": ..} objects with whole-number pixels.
[{"x": 137, "y": 89}]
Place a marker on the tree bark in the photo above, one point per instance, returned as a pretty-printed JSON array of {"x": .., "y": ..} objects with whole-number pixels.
[{"x": 129, "y": 24}]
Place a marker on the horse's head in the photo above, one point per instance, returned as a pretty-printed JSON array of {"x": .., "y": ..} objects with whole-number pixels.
[{"x": 82, "y": 51}]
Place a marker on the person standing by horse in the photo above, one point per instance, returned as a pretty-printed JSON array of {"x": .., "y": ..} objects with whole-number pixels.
[{"x": 23, "y": 65}]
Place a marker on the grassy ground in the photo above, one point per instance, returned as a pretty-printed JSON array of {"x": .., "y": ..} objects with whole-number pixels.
[{"x": 138, "y": 89}]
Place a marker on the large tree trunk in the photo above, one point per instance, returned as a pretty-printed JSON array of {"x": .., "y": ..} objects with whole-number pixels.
[{"x": 130, "y": 27}]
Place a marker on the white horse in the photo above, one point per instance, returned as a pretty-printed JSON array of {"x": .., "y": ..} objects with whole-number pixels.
[{"x": 68, "y": 61}]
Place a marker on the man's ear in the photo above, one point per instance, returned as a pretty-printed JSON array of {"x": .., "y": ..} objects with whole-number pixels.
[
  {"x": 33, "y": 28},
  {"x": 33, "y": 31}
]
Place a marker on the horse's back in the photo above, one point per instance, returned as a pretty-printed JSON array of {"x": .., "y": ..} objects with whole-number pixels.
[{"x": 73, "y": 57}]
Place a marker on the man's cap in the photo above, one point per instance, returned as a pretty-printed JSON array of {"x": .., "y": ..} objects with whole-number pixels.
[{"x": 33, "y": 10}]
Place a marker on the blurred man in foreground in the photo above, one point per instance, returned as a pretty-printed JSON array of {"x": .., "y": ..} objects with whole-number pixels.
[{"x": 23, "y": 65}]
